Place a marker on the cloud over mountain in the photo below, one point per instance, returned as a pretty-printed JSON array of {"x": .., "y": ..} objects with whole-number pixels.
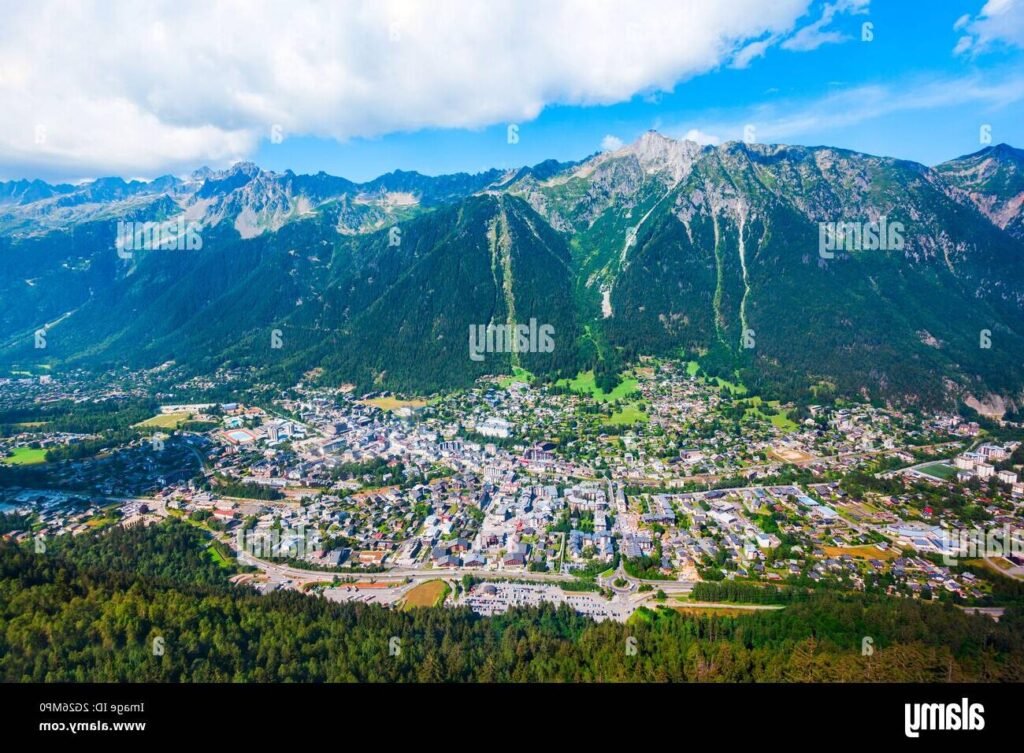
[{"x": 151, "y": 87}]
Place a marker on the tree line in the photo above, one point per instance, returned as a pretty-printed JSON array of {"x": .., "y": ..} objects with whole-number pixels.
[{"x": 93, "y": 607}]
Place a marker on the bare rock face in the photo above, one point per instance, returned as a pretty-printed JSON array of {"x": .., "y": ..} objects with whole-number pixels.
[
  {"x": 990, "y": 405},
  {"x": 993, "y": 180}
]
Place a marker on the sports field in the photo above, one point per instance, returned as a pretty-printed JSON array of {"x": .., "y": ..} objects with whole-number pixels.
[
  {"x": 939, "y": 470},
  {"x": 789, "y": 455}
]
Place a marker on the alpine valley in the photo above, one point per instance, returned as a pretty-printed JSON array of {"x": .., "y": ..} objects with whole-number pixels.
[{"x": 661, "y": 248}]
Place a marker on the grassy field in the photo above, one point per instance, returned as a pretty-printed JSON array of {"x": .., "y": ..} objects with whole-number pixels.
[
  {"x": 585, "y": 384},
  {"x": 736, "y": 388},
  {"x": 393, "y": 403},
  {"x": 939, "y": 470},
  {"x": 713, "y": 611},
  {"x": 217, "y": 554},
  {"x": 164, "y": 421},
  {"x": 996, "y": 565},
  {"x": 780, "y": 420},
  {"x": 25, "y": 456},
  {"x": 784, "y": 422},
  {"x": 518, "y": 375},
  {"x": 725, "y": 609},
  {"x": 865, "y": 552},
  {"x": 429, "y": 594},
  {"x": 628, "y": 416}
]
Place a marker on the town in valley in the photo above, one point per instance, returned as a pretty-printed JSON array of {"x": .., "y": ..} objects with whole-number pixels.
[{"x": 661, "y": 493}]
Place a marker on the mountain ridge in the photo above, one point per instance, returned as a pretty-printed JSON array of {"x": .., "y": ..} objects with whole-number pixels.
[{"x": 660, "y": 247}]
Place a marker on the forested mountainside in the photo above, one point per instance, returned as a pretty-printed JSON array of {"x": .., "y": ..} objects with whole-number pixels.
[{"x": 659, "y": 248}]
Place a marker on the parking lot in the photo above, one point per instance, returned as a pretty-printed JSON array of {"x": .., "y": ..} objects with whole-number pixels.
[
  {"x": 495, "y": 598},
  {"x": 385, "y": 596}
]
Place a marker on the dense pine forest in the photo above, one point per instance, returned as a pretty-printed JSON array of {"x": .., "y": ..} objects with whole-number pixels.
[{"x": 93, "y": 607}]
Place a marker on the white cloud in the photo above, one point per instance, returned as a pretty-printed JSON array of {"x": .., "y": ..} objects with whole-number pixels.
[
  {"x": 787, "y": 122},
  {"x": 814, "y": 35},
  {"x": 142, "y": 88},
  {"x": 999, "y": 21},
  {"x": 610, "y": 143},
  {"x": 806, "y": 38},
  {"x": 962, "y": 45},
  {"x": 697, "y": 135},
  {"x": 752, "y": 51}
]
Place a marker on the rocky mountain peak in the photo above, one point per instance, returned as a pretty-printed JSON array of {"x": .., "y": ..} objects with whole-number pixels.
[{"x": 659, "y": 154}]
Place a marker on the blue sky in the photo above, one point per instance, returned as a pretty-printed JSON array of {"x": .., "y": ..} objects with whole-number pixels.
[
  {"x": 361, "y": 88},
  {"x": 911, "y": 54}
]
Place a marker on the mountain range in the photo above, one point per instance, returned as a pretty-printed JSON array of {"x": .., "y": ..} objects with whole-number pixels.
[{"x": 659, "y": 248}]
